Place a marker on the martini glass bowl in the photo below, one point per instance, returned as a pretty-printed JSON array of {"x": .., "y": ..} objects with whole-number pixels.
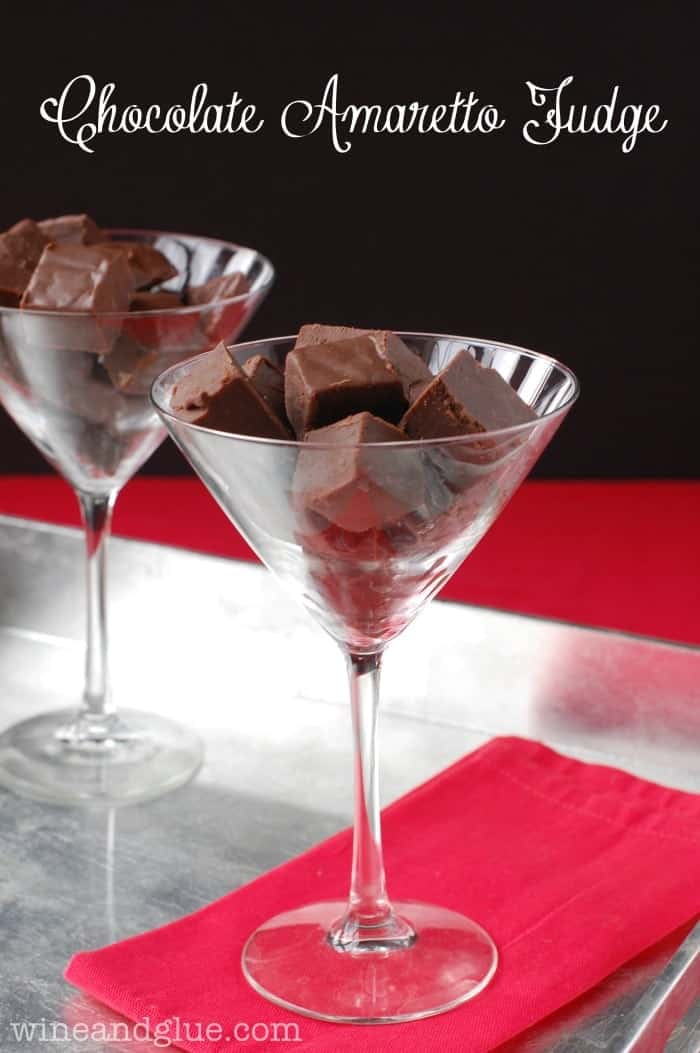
[
  {"x": 77, "y": 385},
  {"x": 364, "y": 560}
]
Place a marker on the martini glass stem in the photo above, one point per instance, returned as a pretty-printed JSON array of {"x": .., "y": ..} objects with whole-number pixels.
[
  {"x": 369, "y": 924},
  {"x": 98, "y": 709}
]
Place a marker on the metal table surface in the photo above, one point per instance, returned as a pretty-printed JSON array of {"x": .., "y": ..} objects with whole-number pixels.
[{"x": 218, "y": 645}]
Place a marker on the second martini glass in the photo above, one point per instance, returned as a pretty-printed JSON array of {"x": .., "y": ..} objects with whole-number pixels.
[
  {"x": 77, "y": 385},
  {"x": 364, "y": 566}
]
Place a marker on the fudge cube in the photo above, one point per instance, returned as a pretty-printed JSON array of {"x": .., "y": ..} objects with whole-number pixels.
[
  {"x": 154, "y": 301},
  {"x": 316, "y": 333},
  {"x": 224, "y": 287},
  {"x": 268, "y": 381},
  {"x": 412, "y": 370},
  {"x": 326, "y": 382},
  {"x": 464, "y": 398},
  {"x": 20, "y": 250},
  {"x": 131, "y": 367},
  {"x": 357, "y": 487},
  {"x": 217, "y": 394},
  {"x": 221, "y": 321},
  {"x": 147, "y": 265},
  {"x": 79, "y": 278},
  {"x": 72, "y": 230},
  {"x": 166, "y": 331},
  {"x": 154, "y": 330}
]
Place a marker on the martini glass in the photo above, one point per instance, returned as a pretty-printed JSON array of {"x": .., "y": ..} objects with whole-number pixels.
[
  {"x": 78, "y": 385},
  {"x": 364, "y": 563}
]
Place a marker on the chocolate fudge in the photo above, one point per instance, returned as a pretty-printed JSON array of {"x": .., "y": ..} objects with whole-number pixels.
[
  {"x": 357, "y": 487},
  {"x": 218, "y": 394},
  {"x": 132, "y": 368},
  {"x": 142, "y": 300},
  {"x": 72, "y": 277},
  {"x": 221, "y": 319},
  {"x": 268, "y": 381},
  {"x": 326, "y": 382},
  {"x": 412, "y": 370},
  {"x": 75, "y": 230},
  {"x": 222, "y": 288},
  {"x": 148, "y": 340},
  {"x": 20, "y": 250},
  {"x": 463, "y": 399},
  {"x": 22, "y": 264},
  {"x": 148, "y": 266},
  {"x": 316, "y": 333}
]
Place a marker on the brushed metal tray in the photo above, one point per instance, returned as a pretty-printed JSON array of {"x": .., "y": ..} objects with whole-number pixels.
[{"x": 216, "y": 644}]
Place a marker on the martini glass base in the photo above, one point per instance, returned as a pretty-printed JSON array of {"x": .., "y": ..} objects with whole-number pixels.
[
  {"x": 143, "y": 756},
  {"x": 291, "y": 961}
]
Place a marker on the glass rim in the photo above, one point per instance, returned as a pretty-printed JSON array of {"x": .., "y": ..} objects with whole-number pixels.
[
  {"x": 268, "y": 277},
  {"x": 472, "y": 438}
]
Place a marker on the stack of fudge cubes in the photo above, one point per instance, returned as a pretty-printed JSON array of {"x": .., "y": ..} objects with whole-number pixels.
[
  {"x": 341, "y": 389},
  {"x": 69, "y": 264}
]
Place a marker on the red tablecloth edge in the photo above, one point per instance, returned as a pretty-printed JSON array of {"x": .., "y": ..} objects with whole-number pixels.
[{"x": 620, "y": 555}]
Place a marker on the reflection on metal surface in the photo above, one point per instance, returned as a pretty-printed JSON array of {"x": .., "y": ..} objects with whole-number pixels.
[
  {"x": 643, "y": 1023},
  {"x": 216, "y": 644},
  {"x": 666, "y": 1001}
]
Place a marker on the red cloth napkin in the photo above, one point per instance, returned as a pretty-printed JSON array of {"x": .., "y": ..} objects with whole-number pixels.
[{"x": 573, "y": 868}]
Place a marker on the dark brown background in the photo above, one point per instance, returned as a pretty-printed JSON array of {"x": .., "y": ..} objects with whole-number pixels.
[{"x": 575, "y": 249}]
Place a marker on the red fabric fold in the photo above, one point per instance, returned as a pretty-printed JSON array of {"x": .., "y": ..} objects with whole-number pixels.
[{"x": 573, "y": 868}]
